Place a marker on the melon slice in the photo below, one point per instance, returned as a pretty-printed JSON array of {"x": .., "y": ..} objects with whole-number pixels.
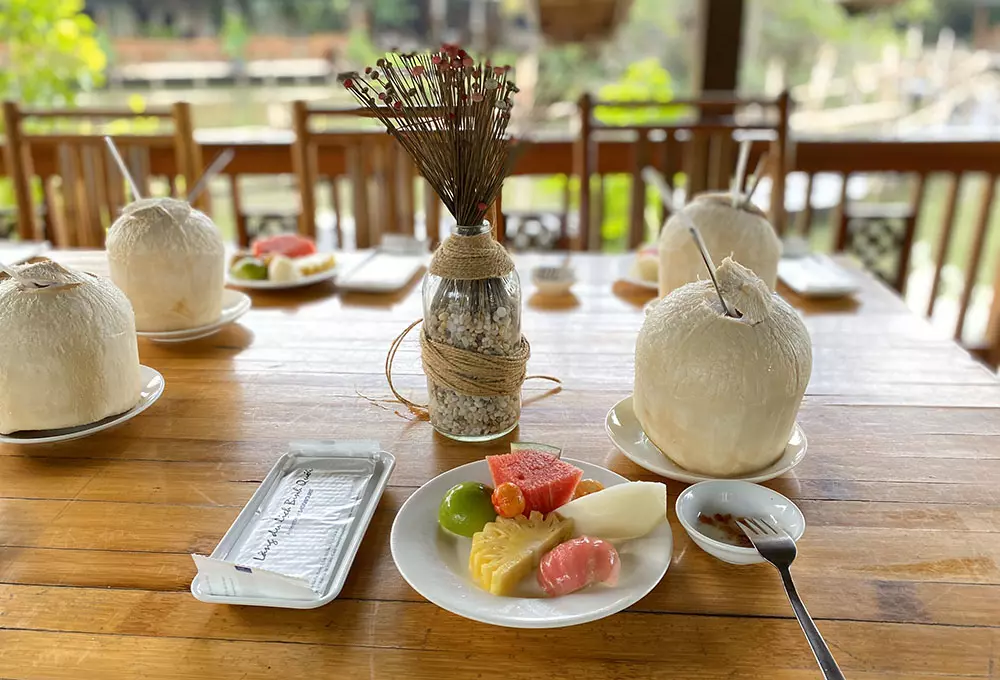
[
  {"x": 619, "y": 513},
  {"x": 521, "y": 447},
  {"x": 545, "y": 481}
]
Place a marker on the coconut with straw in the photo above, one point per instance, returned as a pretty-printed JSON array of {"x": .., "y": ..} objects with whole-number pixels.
[
  {"x": 168, "y": 257},
  {"x": 730, "y": 224}
]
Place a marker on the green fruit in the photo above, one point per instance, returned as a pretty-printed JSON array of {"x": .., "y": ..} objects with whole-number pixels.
[
  {"x": 249, "y": 268},
  {"x": 466, "y": 508}
]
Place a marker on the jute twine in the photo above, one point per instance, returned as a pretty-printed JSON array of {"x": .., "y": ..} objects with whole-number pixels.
[
  {"x": 470, "y": 258},
  {"x": 466, "y": 258}
]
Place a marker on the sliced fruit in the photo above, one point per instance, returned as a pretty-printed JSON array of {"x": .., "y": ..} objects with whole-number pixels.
[
  {"x": 249, "y": 268},
  {"x": 545, "y": 481},
  {"x": 587, "y": 486},
  {"x": 577, "y": 564},
  {"x": 619, "y": 513},
  {"x": 289, "y": 245},
  {"x": 314, "y": 264},
  {"x": 282, "y": 270},
  {"x": 508, "y": 500},
  {"x": 507, "y": 550},
  {"x": 466, "y": 508},
  {"x": 521, "y": 447}
]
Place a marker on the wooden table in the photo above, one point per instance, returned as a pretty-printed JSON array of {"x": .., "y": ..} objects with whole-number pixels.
[{"x": 901, "y": 491}]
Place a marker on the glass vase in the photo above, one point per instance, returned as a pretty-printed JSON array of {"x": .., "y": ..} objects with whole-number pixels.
[{"x": 483, "y": 316}]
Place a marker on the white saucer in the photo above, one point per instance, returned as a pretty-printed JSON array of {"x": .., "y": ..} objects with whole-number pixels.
[
  {"x": 152, "y": 388},
  {"x": 435, "y": 563},
  {"x": 626, "y": 433},
  {"x": 234, "y": 305},
  {"x": 251, "y": 284}
]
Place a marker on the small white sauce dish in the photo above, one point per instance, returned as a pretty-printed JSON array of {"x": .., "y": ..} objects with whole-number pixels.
[
  {"x": 739, "y": 499},
  {"x": 553, "y": 281}
]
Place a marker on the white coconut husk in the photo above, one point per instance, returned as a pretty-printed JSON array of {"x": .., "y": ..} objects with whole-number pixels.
[
  {"x": 719, "y": 395},
  {"x": 69, "y": 348},
  {"x": 742, "y": 232},
  {"x": 170, "y": 261}
]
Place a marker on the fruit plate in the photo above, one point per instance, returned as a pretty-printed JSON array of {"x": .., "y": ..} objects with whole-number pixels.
[
  {"x": 252, "y": 284},
  {"x": 435, "y": 563},
  {"x": 234, "y": 305},
  {"x": 152, "y": 388},
  {"x": 626, "y": 433}
]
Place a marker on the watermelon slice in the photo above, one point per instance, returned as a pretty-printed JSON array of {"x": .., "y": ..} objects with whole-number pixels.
[
  {"x": 520, "y": 447},
  {"x": 546, "y": 482},
  {"x": 289, "y": 245}
]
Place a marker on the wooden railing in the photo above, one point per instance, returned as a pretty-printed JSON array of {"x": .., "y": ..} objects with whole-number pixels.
[{"x": 923, "y": 163}]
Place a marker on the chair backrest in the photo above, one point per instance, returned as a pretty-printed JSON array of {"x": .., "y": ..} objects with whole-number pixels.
[
  {"x": 377, "y": 168},
  {"x": 82, "y": 187},
  {"x": 698, "y": 138}
]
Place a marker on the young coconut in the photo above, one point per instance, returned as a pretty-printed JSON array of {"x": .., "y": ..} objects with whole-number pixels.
[
  {"x": 718, "y": 395},
  {"x": 170, "y": 261},
  {"x": 69, "y": 348},
  {"x": 742, "y": 231}
]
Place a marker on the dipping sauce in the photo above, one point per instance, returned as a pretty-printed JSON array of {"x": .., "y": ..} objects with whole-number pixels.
[{"x": 722, "y": 527}]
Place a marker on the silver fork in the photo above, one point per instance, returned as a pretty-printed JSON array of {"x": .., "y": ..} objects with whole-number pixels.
[{"x": 778, "y": 548}]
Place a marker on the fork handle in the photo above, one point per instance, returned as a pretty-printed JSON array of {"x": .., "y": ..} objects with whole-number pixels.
[{"x": 827, "y": 664}]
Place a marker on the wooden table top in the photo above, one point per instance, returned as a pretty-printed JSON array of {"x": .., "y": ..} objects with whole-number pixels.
[{"x": 900, "y": 489}]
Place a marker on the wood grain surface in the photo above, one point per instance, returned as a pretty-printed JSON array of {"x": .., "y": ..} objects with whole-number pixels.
[{"x": 900, "y": 563}]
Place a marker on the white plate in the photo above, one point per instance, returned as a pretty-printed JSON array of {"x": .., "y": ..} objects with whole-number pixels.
[
  {"x": 626, "y": 433},
  {"x": 152, "y": 388},
  {"x": 234, "y": 305},
  {"x": 249, "y": 284},
  {"x": 626, "y": 273},
  {"x": 435, "y": 563}
]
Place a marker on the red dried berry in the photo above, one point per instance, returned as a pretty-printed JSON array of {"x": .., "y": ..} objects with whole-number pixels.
[
  {"x": 417, "y": 71},
  {"x": 435, "y": 59},
  {"x": 368, "y": 69},
  {"x": 398, "y": 105},
  {"x": 481, "y": 206},
  {"x": 467, "y": 61},
  {"x": 348, "y": 83}
]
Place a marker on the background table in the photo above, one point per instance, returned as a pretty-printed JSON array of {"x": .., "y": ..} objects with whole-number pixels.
[{"x": 901, "y": 491}]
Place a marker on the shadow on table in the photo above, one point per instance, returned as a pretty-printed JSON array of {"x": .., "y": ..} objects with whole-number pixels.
[
  {"x": 553, "y": 302},
  {"x": 637, "y": 296},
  {"x": 269, "y": 299}
]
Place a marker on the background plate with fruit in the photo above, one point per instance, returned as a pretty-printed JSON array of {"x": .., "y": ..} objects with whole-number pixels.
[
  {"x": 433, "y": 555},
  {"x": 280, "y": 263}
]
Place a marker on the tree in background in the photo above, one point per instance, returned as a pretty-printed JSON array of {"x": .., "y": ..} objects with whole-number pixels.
[{"x": 52, "y": 52}]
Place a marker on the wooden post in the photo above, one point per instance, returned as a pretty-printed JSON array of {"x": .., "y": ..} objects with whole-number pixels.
[
  {"x": 303, "y": 169},
  {"x": 944, "y": 241},
  {"x": 637, "y": 198},
  {"x": 720, "y": 38},
  {"x": 19, "y": 169},
  {"x": 582, "y": 167},
  {"x": 188, "y": 153},
  {"x": 916, "y": 200},
  {"x": 780, "y": 172},
  {"x": 976, "y": 254},
  {"x": 432, "y": 214}
]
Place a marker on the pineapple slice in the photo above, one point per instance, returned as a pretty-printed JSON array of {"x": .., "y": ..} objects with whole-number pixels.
[{"x": 506, "y": 550}]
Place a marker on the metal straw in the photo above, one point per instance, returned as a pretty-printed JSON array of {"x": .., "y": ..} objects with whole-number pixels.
[
  {"x": 758, "y": 173},
  {"x": 707, "y": 257},
  {"x": 741, "y": 170},
  {"x": 121, "y": 166},
  {"x": 220, "y": 162}
]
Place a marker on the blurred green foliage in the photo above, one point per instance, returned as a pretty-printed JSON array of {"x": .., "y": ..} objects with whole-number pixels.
[{"x": 53, "y": 51}]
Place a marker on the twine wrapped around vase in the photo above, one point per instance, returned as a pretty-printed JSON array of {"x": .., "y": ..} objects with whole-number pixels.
[{"x": 477, "y": 379}]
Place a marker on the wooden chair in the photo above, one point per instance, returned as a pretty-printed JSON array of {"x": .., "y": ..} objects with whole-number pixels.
[
  {"x": 380, "y": 174},
  {"x": 377, "y": 168},
  {"x": 82, "y": 188},
  {"x": 702, "y": 146}
]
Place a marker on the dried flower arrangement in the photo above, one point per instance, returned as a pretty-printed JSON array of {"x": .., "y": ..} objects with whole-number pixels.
[{"x": 451, "y": 115}]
